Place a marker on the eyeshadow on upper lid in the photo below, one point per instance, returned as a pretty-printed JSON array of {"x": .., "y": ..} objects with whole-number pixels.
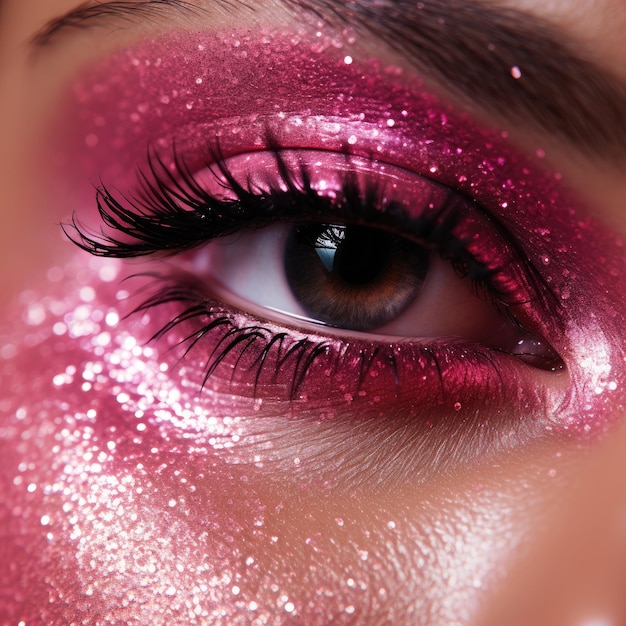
[{"x": 197, "y": 95}]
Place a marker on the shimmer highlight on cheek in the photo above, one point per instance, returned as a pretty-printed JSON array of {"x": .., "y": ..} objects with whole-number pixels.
[{"x": 128, "y": 495}]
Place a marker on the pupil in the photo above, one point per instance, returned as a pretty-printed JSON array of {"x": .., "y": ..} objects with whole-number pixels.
[
  {"x": 353, "y": 276},
  {"x": 360, "y": 254}
]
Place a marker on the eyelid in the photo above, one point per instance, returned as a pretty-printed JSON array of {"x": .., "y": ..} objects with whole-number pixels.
[
  {"x": 328, "y": 104},
  {"x": 177, "y": 210}
]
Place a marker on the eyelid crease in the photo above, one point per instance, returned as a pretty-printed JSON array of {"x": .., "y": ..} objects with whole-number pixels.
[{"x": 470, "y": 48}]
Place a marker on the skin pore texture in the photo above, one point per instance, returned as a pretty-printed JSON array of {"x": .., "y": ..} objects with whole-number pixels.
[{"x": 487, "y": 494}]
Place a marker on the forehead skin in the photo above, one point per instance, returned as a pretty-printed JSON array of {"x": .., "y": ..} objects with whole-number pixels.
[{"x": 539, "y": 540}]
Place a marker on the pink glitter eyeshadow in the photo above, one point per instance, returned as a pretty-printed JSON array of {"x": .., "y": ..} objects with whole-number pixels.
[
  {"x": 194, "y": 91},
  {"x": 131, "y": 491}
]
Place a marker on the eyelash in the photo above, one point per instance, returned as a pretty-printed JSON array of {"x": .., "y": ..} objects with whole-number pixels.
[{"x": 171, "y": 212}]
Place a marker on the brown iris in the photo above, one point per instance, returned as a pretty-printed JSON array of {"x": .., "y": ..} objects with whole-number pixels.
[{"x": 352, "y": 276}]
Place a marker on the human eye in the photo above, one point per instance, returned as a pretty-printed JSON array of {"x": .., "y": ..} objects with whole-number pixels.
[
  {"x": 344, "y": 323},
  {"x": 466, "y": 219},
  {"x": 333, "y": 244},
  {"x": 360, "y": 245}
]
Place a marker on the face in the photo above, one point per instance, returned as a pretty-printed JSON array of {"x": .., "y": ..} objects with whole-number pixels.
[{"x": 331, "y": 329}]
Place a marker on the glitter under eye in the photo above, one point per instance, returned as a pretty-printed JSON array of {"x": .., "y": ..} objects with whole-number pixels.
[{"x": 132, "y": 490}]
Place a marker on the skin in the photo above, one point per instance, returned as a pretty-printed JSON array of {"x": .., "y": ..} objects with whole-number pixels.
[{"x": 533, "y": 537}]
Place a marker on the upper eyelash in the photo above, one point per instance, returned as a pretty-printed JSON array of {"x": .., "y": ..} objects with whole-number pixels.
[
  {"x": 171, "y": 212},
  {"x": 180, "y": 205}
]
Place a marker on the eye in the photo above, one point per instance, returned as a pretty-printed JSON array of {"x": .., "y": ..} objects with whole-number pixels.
[
  {"x": 266, "y": 293},
  {"x": 352, "y": 278},
  {"x": 494, "y": 245},
  {"x": 410, "y": 258}
]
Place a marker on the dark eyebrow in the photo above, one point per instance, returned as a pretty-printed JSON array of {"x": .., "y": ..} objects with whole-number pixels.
[
  {"x": 92, "y": 12},
  {"x": 476, "y": 50},
  {"x": 501, "y": 59}
]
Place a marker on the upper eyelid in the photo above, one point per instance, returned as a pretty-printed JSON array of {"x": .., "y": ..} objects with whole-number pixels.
[
  {"x": 159, "y": 218},
  {"x": 560, "y": 92},
  {"x": 425, "y": 136}
]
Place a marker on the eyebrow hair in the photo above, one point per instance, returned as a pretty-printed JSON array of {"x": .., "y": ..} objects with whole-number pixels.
[
  {"x": 501, "y": 59},
  {"x": 92, "y": 12}
]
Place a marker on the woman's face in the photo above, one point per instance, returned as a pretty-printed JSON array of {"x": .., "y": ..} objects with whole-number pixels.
[{"x": 342, "y": 337}]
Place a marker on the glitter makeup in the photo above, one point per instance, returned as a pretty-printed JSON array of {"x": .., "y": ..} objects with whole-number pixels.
[
  {"x": 235, "y": 91},
  {"x": 132, "y": 493}
]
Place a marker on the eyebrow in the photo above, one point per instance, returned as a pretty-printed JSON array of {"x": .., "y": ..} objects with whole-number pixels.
[
  {"x": 94, "y": 12},
  {"x": 501, "y": 59}
]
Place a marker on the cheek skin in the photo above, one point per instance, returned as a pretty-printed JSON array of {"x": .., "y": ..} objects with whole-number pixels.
[
  {"x": 127, "y": 526},
  {"x": 573, "y": 571}
]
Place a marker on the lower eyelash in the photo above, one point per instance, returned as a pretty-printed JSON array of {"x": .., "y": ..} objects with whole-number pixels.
[
  {"x": 231, "y": 352},
  {"x": 213, "y": 318}
]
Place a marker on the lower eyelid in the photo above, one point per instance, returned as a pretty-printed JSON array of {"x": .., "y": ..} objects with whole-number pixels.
[
  {"x": 331, "y": 402},
  {"x": 229, "y": 351},
  {"x": 348, "y": 454}
]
